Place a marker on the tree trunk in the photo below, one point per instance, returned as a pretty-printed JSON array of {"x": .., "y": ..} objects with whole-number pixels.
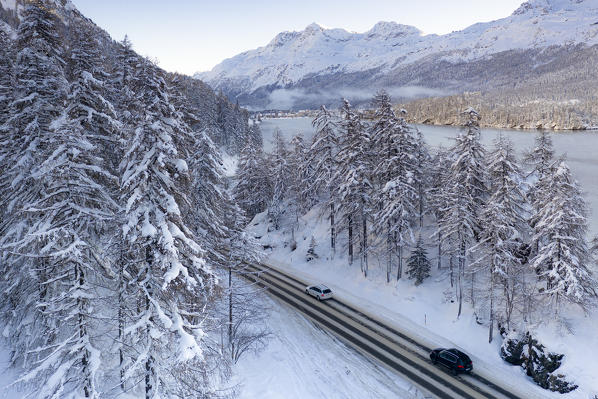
[
  {"x": 350, "y": 240},
  {"x": 389, "y": 254},
  {"x": 149, "y": 363},
  {"x": 491, "y": 327},
  {"x": 82, "y": 331},
  {"x": 365, "y": 248},
  {"x": 332, "y": 231},
  {"x": 230, "y": 311},
  {"x": 471, "y": 293},
  {"x": 460, "y": 273},
  {"x": 43, "y": 283},
  {"x": 439, "y": 252},
  {"x": 451, "y": 268},
  {"x": 400, "y": 262},
  {"x": 121, "y": 322},
  {"x": 421, "y": 206}
]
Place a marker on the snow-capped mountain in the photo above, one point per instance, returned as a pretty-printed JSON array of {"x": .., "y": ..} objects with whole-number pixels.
[{"x": 301, "y": 62}]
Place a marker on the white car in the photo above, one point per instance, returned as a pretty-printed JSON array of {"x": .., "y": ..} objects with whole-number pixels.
[{"x": 319, "y": 291}]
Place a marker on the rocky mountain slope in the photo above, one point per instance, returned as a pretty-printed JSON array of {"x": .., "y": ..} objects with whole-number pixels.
[{"x": 299, "y": 69}]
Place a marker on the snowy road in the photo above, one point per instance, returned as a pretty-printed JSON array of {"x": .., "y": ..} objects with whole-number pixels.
[{"x": 377, "y": 341}]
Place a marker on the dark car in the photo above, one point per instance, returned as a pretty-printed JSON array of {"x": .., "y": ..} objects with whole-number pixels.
[{"x": 453, "y": 359}]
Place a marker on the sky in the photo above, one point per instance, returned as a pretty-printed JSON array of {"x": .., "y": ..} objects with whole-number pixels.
[{"x": 191, "y": 36}]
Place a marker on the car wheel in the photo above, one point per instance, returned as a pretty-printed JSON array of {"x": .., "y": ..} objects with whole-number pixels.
[
  {"x": 307, "y": 292},
  {"x": 455, "y": 372},
  {"x": 319, "y": 299},
  {"x": 434, "y": 361}
]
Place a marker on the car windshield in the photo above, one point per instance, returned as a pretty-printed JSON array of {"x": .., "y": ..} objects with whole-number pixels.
[{"x": 327, "y": 291}]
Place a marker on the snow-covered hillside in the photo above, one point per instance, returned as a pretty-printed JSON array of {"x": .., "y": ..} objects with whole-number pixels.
[{"x": 297, "y": 60}]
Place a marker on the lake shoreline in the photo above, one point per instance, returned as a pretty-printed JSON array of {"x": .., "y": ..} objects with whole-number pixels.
[{"x": 482, "y": 126}]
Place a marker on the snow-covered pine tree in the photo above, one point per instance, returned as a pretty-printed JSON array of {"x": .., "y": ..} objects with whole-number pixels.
[
  {"x": 560, "y": 230},
  {"x": 253, "y": 186},
  {"x": 421, "y": 175},
  {"x": 123, "y": 86},
  {"x": 311, "y": 251},
  {"x": 7, "y": 58},
  {"x": 39, "y": 91},
  {"x": 254, "y": 135},
  {"x": 466, "y": 192},
  {"x": 124, "y": 83},
  {"x": 299, "y": 170},
  {"x": 541, "y": 160},
  {"x": 396, "y": 199},
  {"x": 504, "y": 229},
  {"x": 541, "y": 156},
  {"x": 280, "y": 172},
  {"x": 322, "y": 159},
  {"x": 170, "y": 280},
  {"x": 418, "y": 265},
  {"x": 218, "y": 224},
  {"x": 354, "y": 185},
  {"x": 213, "y": 215},
  {"x": 437, "y": 198},
  {"x": 73, "y": 213},
  {"x": 211, "y": 210}
]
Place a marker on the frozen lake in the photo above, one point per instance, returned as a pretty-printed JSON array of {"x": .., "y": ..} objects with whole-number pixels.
[{"x": 580, "y": 148}]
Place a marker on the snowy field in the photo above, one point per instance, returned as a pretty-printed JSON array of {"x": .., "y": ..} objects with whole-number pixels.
[
  {"x": 578, "y": 147},
  {"x": 303, "y": 361}
]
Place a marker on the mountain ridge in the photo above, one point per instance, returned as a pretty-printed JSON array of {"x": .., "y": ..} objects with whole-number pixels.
[{"x": 297, "y": 61}]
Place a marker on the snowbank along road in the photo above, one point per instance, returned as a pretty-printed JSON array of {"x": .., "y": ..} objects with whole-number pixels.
[{"x": 373, "y": 338}]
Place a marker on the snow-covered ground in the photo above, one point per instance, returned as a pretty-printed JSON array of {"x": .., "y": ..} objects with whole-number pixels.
[
  {"x": 578, "y": 147},
  {"x": 303, "y": 361},
  {"x": 229, "y": 163}
]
